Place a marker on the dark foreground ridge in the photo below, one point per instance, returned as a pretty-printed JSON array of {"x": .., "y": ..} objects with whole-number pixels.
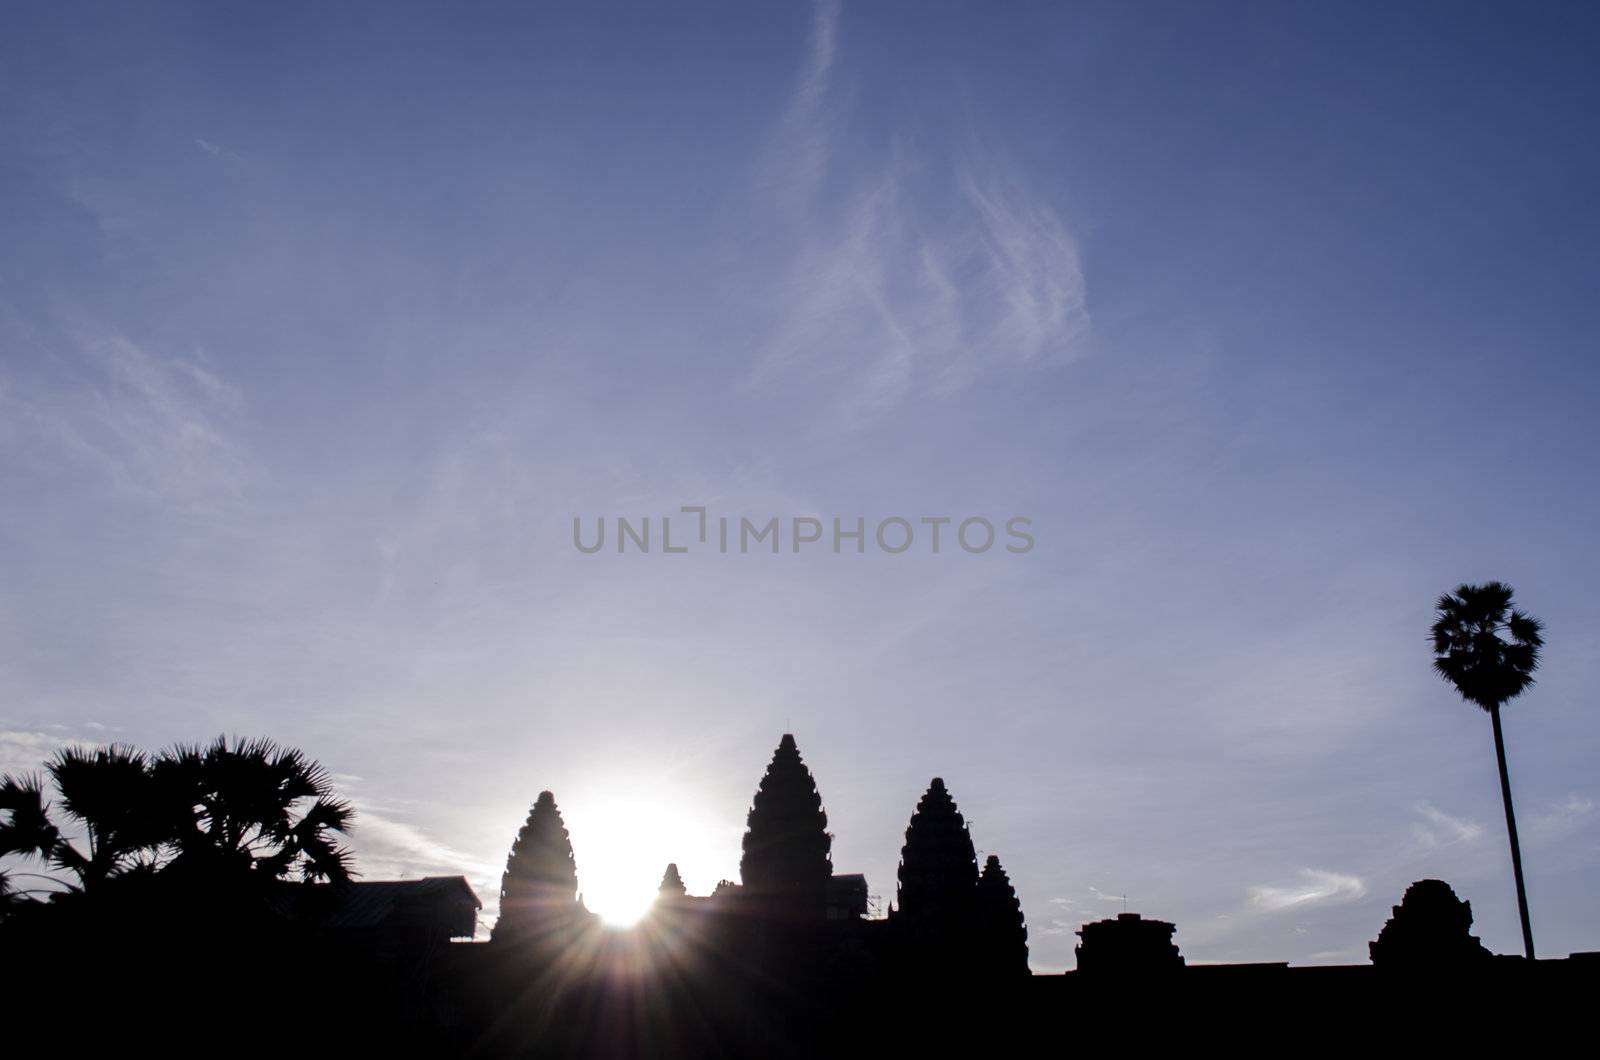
[{"x": 213, "y": 949}]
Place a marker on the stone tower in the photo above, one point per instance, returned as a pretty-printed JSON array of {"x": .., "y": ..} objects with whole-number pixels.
[{"x": 786, "y": 865}]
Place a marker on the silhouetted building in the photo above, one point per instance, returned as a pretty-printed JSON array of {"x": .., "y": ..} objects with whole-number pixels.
[
  {"x": 792, "y": 916},
  {"x": 1430, "y": 928},
  {"x": 539, "y": 890},
  {"x": 847, "y": 896},
  {"x": 1002, "y": 944},
  {"x": 935, "y": 914},
  {"x": 1127, "y": 945},
  {"x": 672, "y": 883},
  {"x": 785, "y": 867},
  {"x": 432, "y": 910},
  {"x": 754, "y": 970}
]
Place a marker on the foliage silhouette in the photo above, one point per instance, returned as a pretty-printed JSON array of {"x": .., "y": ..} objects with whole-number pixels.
[
  {"x": 224, "y": 812},
  {"x": 27, "y": 829},
  {"x": 1489, "y": 650},
  {"x": 110, "y": 793},
  {"x": 240, "y": 810},
  {"x": 1431, "y": 928},
  {"x": 786, "y": 842}
]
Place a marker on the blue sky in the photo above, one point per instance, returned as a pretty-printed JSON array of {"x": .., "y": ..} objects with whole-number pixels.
[{"x": 319, "y": 327}]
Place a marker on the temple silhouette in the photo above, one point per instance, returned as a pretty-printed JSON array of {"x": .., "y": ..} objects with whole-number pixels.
[
  {"x": 789, "y": 914},
  {"x": 786, "y": 961}
]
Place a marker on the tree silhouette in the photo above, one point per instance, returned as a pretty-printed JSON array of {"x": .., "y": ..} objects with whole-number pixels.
[
  {"x": 1002, "y": 933},
  {"x": 786, "y": 841},
  {"x": 539, "y": 889},
  {"x": 222, "y": 812},
  {"x": 1431, "y": 927},
  {"x": 1489, "y": 669},
  {"x": 936, "y": 904},
  {"x": 110, "y": 793},
  {"x": 251, "y": 810},
  {"x": 26, "y": 830}
]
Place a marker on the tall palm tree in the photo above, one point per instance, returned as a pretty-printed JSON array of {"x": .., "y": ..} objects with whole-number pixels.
[
  {"x": 1489, "y": 650},
  {"x": 252, "y": 810}
]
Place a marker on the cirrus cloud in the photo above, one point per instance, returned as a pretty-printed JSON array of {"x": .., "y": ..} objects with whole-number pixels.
[{"x": 1313, "y": 887}]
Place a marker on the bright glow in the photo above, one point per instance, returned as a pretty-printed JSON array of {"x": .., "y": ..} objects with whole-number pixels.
[
  {"x": 624, "y": 838},
  {"x": 613, "y": 877},
  {"x": 617, "y": 901}
]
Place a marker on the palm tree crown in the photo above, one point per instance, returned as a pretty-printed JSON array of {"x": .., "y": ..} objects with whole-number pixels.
[
  {"x": 243, "y": 806},
  {"x": 1483, "y": 646},
  {"x": 108, "y": 791}
]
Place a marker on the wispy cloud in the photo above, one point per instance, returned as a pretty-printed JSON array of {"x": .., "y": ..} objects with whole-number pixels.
[
  {"x": 798, "y": 158},
  {"x": 388, "y": 845},
  {"x": 216, "y": 151},
  {"x": 1068, "y": 914},
  {"x": 1314, "y": 887},
  {"x": 1064, "y": 917},
  {"x": 24, "y": 751},
  {"x": 1438, "y": 828},
  {"x": 910, "y": 274},
  {"x": 151, "y": 425},
  {"x": 1565, "y": 816}
]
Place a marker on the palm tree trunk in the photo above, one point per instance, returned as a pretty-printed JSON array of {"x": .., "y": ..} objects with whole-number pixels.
[{"x": 1511, "y": 827}]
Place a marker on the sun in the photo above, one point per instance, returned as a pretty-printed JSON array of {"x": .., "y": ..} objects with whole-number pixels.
[
  {"x": 618, "y": 901},
  {"x": 623, "y": 842}
]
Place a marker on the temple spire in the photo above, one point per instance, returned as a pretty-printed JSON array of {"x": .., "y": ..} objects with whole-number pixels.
[
  {"x": 786, "y": 842},
  {"x": 1002, "y": 932},
  {"x": 938, "y": 865},
  {"x": 936, "y": 909},
  {"x": 539, "y": 888}
]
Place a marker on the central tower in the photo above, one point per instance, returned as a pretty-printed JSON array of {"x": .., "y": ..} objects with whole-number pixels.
[{"x": 786, "y": 864}]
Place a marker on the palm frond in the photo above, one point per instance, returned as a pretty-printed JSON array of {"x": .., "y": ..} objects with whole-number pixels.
[
  {"x": 331, "y": 814},
  {"x": 1526, "y": 629},
  {"x": 325, "y": 861},
  {"x": 29, "y": 831},
  {"x": 68, "y": 857}
]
